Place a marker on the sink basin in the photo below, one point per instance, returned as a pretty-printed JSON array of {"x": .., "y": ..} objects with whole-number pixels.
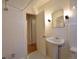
[{"x": 55, "y": 40}]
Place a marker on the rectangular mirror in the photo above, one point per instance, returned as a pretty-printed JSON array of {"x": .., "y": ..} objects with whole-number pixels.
[
  {"x": 58, "y": 22},
  {"x": 58, "y": 19}
]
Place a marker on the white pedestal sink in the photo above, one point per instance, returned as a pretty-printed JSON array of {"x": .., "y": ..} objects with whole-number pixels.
[
  {"x": 53, "y": 46},
  {"x": 55, "y": 40}
]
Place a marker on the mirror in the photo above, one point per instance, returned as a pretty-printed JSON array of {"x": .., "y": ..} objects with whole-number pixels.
[{"x": 58, "y": 19}]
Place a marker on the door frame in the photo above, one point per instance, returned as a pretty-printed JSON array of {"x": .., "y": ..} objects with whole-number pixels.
[{"x": 27, "y": 30}]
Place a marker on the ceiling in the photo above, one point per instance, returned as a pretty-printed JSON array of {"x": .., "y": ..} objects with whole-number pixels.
[
  {"x": 37, "y": 4},
  {"x": 22, "y": 4}
]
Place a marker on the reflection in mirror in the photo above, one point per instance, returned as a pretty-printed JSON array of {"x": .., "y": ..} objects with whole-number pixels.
[
  {"x": 58, "y": 22},
  {"x": 58, "y": 19}
]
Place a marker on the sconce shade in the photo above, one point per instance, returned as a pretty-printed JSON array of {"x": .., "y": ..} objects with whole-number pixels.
[
  {"x": 66, "y": 17},
  {"x": 49, "y": 20}
]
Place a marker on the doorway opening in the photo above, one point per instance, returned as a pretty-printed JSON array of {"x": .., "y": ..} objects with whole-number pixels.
[{"x": 31, "y": 33}]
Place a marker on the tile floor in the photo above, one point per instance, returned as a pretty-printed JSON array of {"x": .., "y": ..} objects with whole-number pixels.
[{"x": 37, "y": 55}]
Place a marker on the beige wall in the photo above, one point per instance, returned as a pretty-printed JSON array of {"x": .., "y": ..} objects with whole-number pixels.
[
  {"x": 54, "y": 5},
  {"x": 60, "y": 32},
  {"x": 40, "y": 30},
  {"x": 49, "y": 8},
  {"x": 48, "y": 25}
]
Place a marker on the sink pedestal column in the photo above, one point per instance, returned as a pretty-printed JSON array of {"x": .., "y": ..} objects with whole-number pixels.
[{"x": 59, "y": 47}]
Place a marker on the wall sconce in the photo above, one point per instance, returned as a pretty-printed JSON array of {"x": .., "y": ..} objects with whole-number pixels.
[
  {"x": 66, "y": 17},
  {"x": 67, "y": 14},
  {"x": 49, "y": 20}
]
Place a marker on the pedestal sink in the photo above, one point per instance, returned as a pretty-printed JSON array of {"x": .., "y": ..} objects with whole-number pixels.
[
  {"x": 55, "y": 40},
  {"x": 54, "y": 45}
]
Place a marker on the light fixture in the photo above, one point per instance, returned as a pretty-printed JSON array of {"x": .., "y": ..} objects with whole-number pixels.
[
  {"x": 66, "y": 17},
  {"x": 67, "y": 14},
  {"x": 49, "y": 20}
]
